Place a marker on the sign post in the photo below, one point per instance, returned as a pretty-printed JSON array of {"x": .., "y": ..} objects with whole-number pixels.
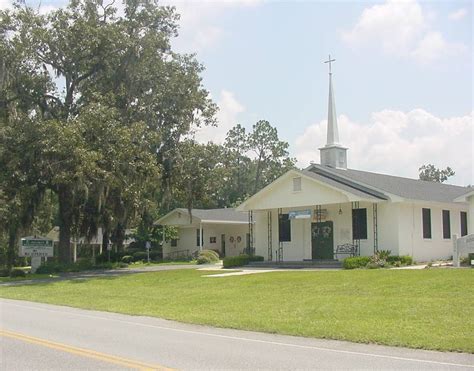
[
  {"x": 148, "y": 247},
  {"x": 36, "y": 248}
]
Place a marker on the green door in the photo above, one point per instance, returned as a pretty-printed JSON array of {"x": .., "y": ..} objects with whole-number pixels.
[{"x": 322, "y": 238}]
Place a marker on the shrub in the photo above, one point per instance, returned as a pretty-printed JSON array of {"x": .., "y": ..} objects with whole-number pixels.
[
  {"x": 140, "y": 255},
  {"x": 17, "y": 273},
  {"x": 203, "y": 259},
  {"x": 402, "y": 260},
  {"x": 236, "y": 261},
  {"x": 4, "y": 272},
  {"x": 356, "y": 262},
  {"x": 127, "y": 259},
  {"x": 155, "y": 255},
  {"x": 114, "y": 256},
  {"x": 50, "y": 267},
  {"x": 256, "y": 258},
  {"x": 211, "y": 254}
]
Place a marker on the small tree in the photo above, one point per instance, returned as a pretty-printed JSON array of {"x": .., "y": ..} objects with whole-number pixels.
[{"x": 431, "y": 173}]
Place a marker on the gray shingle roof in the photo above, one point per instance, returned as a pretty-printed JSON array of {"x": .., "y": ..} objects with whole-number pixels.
[
  {"x": 345, "y": 187},
  {"x": 228, "y": 214},
  {"x": 414, "y": 189}
]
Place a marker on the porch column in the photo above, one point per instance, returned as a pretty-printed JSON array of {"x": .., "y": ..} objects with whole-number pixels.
[
  {"x": 200, "y": 237},
  {"x": 250, "y": 246},
  {"x": 270, "y": 235},
  {"x": 375, "y": 227}
]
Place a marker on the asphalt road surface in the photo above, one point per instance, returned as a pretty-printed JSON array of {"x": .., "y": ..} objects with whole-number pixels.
[{"x": 37, "y": 336}]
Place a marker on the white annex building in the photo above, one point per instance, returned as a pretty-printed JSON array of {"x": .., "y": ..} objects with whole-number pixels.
[
  {"x": 328, "y": 211},
  {"x": 222, "y": 230}
]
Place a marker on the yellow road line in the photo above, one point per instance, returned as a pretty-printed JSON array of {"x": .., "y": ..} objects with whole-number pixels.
[{"x": 84, "y": 352}]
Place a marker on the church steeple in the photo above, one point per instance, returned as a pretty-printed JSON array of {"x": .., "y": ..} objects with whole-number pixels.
[
  {"x": 333, "y": 132},
  {"x": 333, "y": 154}
]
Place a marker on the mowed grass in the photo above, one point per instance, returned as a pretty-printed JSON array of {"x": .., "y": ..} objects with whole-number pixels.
[{"x": 431, "y": 309}]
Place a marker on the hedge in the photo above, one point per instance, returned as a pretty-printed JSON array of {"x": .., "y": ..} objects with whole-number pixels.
[
  {"x": 366, "y": 262},
  {"x": 240, "y": 260},
  {"x": 403, "y": 260},
  {"x": 356, "y": 262}
]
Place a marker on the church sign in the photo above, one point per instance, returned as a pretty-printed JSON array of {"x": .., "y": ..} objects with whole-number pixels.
[
  {"x": 36, "y": 247},
  {"x": 299, "y": 214},
  {"x": 463, "y": 246}
]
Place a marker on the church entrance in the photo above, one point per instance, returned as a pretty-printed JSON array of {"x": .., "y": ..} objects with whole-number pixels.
[{"x": 322, "y": 237}]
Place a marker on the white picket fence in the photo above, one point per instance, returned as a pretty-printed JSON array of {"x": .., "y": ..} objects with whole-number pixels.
[{"x": 461, "y": 247}]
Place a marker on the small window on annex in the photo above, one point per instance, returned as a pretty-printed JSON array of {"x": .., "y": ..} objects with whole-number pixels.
[
  {"x": 174, "y": 242},
  {"x": 446, "y": 225},
  {"x": 284, "y": 228},
  {"x": 297, "y": 184},
  {"x": 212, "y": 239},
  {"x": 359, "y": 224},
  {"x": 426, "y": 223},
  {"x": 463, "y": 223}
]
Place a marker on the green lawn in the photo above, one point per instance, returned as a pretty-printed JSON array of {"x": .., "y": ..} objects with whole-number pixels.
[
  {"x": 28, "y": 277},
  {"x": 430, "y": 309}
]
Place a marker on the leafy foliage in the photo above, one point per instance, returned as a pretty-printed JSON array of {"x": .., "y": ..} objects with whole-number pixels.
[{"x": 431, "y": 173}]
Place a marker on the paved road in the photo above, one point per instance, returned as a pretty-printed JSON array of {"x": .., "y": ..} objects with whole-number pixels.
[{"x": 41, "y": 336}]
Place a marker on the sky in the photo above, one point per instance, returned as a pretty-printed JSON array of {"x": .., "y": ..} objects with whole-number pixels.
[{"x": 403, "y": 76}]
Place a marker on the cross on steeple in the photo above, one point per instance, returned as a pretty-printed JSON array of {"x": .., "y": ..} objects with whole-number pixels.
[{"x": 329, "y": 61}]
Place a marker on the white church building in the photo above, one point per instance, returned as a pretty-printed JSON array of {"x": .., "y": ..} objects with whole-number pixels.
[{"x": 328, "y": 211}]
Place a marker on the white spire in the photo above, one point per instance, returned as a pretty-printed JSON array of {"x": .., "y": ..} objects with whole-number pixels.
[
  {"x": 333, "y": 154},
  {"x": 333, "y": 132}
]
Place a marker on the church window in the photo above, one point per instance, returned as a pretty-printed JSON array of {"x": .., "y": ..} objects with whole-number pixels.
[
  {"x": 426, "y": 223},
  {"x": 284, "y": 228},
  {"x": 297, "y": 184},
  {"x": 359, "y": 224},
  {"x": 446, "y": 225},
  {"x": 463, "y": 223},
  {"x": 174, "y": 242}
]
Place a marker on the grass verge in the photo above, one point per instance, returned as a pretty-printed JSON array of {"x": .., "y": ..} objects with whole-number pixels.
[
  {"x": 430, "y": 309},
  {"x": 27, "y": 277}
]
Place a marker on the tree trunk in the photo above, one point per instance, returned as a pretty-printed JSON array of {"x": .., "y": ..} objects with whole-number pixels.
[
  {"x": 65, "y": 224},
  {"x": 105, "y": 240},
  {"x": 12, "y": 243}
]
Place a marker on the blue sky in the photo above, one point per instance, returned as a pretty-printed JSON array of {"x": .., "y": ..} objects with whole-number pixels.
[{"x": 403, "y": 76}]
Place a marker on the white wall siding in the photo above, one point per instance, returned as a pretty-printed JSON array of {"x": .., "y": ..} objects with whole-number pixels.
[
  {"x": 411, "y": 241},
  {"x": 388, "y": 227},
  {"x": 187, "y": 238}
]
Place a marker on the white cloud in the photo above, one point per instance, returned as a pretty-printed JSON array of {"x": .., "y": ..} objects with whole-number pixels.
[
  {"x": 398, "y": 143},
  {"x": 5, "y": 4},
  {"x": 434, "y": 46},
  {"x": 401, "y": 28},
  {"x": 199, "y": 29},
  {"x": 227, "y": 118},
  {"x": 458, "y": 14}
]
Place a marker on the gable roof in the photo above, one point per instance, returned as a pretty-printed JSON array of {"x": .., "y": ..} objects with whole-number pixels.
[
  {"x": 413, "y": 189},
  {"x": 464, "y": 197},
  {"x": 226, "y": 215}
]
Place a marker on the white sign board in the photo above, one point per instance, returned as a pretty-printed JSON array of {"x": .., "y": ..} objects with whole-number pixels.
[
  {"x": 36, "y": 247},
  {"x": 462, "y": 247}
]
